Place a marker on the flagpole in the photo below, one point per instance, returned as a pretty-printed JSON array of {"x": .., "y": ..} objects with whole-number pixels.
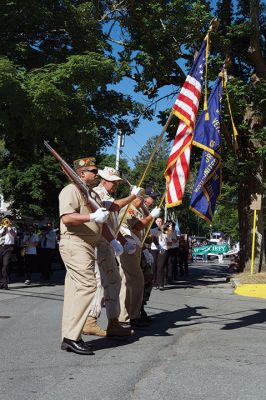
[
  {"x": 212, "y": 27},
  {"x": 158, "y": 141}
]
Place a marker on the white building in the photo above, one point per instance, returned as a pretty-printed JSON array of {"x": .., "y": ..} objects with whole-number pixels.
[{"x": 3, "y": 205}]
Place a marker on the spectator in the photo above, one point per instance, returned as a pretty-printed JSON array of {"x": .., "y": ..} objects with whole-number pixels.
[
  {"x": 173, "y": 252},
  {"x": 155, "y": 246},
  {"x": 220, "y": 256},
  {"x": 8, "y": 234},
  {"x": 47, "y": 247},
  {"x": 29, "y": 243}
]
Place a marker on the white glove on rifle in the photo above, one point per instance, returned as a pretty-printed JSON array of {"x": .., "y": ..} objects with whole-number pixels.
[
  {"x": 155, "y": 213},
  {"x": 117, "y": 247},
  {"x": 99, "y": 216},
  {"x": 130, "y": 247},
  {"x": 148, "y": 256},
  {"x": 136, "y": 190}
]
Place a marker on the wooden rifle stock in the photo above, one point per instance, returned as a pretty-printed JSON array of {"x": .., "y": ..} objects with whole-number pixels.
[{"x": 74, "y": 178}]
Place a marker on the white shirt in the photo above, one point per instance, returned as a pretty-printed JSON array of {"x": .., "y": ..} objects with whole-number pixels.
[
  {"x": 162, "y": 239},
  {"x": 7, "y": 238},
  {"x": 30, "y": 248},
  {"x": 50, "y": 240}
]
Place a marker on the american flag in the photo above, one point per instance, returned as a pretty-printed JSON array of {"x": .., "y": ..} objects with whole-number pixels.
[{"x": 185, "y": 108}]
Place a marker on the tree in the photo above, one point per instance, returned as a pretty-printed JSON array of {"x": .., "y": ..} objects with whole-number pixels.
[
  {"x": 158, "y": 53},
  {"x": 55, "y": 77},
  {"x": 245, "y": 36}
]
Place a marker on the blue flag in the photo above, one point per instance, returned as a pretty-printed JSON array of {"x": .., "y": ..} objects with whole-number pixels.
[{"x": 207, "y": 137}]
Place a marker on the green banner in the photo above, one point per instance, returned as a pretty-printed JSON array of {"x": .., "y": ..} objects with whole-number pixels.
[{"x": 212, "y": 248}]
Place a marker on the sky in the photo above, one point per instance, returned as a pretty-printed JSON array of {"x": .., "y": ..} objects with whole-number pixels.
[{"x": 146, "y": 129}]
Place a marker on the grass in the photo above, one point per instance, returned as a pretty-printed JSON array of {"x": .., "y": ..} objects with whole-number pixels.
[{"x": 246, "y": 277}]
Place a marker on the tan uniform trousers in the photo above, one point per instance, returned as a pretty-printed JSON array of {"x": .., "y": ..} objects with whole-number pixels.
[
  {"x": 110, "y": 281},
  {"x": 80, "y": 284},
  {"x": 132, "y": 286}
]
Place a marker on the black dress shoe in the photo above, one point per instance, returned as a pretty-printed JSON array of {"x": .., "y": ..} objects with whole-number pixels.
[{"x": 77, "y": 346}]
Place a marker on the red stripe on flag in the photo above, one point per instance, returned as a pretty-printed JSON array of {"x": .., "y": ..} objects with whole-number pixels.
[
  {"x": 192, "y": 88},
  {"x": 178, "y": 188},
  {"x": 182, "y": 112},
  {"x": 190, "y": 103},
  {"x": 178, "y": 138}
]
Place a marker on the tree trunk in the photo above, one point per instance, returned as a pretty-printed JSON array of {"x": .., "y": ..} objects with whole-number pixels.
[
  {"x": 253, "y": 181},
  {"x": 246, "y": 191}
]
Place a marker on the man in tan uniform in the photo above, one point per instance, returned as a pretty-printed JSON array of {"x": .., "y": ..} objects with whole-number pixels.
[
  {"x": 147, "y": 260},
  {"x": 80, "y": 230},
  {"x": 106, "y": 262},
  {"x": 132, "y": 286}
]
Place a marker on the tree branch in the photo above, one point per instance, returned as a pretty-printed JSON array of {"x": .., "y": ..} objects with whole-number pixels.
[{"x": 254, "y": 50}]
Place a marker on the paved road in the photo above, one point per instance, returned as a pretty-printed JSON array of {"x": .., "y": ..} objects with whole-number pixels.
[{"x": 204, "y": 343}]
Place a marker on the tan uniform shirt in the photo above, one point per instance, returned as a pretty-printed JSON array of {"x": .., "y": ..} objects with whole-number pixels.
[
  {"x": 131, "y": 219},
  {"x": 71, "y": 201},
  {"x": 107, "y": 200}
]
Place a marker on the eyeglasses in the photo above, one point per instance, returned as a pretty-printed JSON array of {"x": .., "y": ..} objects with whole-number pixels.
[{"x": 93, "y": 171}]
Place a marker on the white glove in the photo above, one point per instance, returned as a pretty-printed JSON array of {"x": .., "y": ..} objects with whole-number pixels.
[
  {"x": 117, "y": 247},
  {"x": 130, "y": 247},
  {"x": 136, "y": 190},
  {"x": 99, "y": 216},
  {"x": 148, "y": 256},
  {"x": 155, "y": 212}
]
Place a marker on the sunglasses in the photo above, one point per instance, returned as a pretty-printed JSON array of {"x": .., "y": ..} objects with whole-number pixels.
[{"x": 93, "y": 171}]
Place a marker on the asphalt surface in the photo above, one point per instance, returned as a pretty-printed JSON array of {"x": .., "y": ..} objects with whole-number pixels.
[{"x": 205, "y": 342}]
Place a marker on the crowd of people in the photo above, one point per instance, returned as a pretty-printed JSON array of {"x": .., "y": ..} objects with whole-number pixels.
[{"x": 30, "y": 246}]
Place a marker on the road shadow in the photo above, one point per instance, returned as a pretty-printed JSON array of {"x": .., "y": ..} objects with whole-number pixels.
[
  {"x": 159, "y": 326},
  {"x": 18, "y": 288},
  {"x": 57, "y": 278},
  {"x": 201, "y": 275},
  {"x": 259, "y": 317},
  {"x": 57, "y": 275}
]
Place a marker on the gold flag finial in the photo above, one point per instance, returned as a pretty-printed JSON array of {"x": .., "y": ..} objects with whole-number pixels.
[{"x": 214, "y": 25}]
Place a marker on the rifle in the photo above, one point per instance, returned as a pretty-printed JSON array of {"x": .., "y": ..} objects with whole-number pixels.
[
  {"x": 74, "y": 178},
  {"x": 85, "y": 191}
]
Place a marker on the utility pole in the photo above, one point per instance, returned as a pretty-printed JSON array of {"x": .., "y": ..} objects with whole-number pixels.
[{"x": 120, "y": 143}]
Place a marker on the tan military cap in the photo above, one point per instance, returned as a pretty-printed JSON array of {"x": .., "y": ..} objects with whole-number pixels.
[
  {"x": 109, "y": 174},
  {"x": 85, "y": 162}
]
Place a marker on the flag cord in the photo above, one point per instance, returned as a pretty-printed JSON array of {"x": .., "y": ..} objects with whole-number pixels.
[
  {"x": 148, "y": 164},
  {"x": 235, "y": 133}
]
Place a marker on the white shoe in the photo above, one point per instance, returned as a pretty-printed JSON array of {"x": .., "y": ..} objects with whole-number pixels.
[{"x": 27, "y": 282}]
